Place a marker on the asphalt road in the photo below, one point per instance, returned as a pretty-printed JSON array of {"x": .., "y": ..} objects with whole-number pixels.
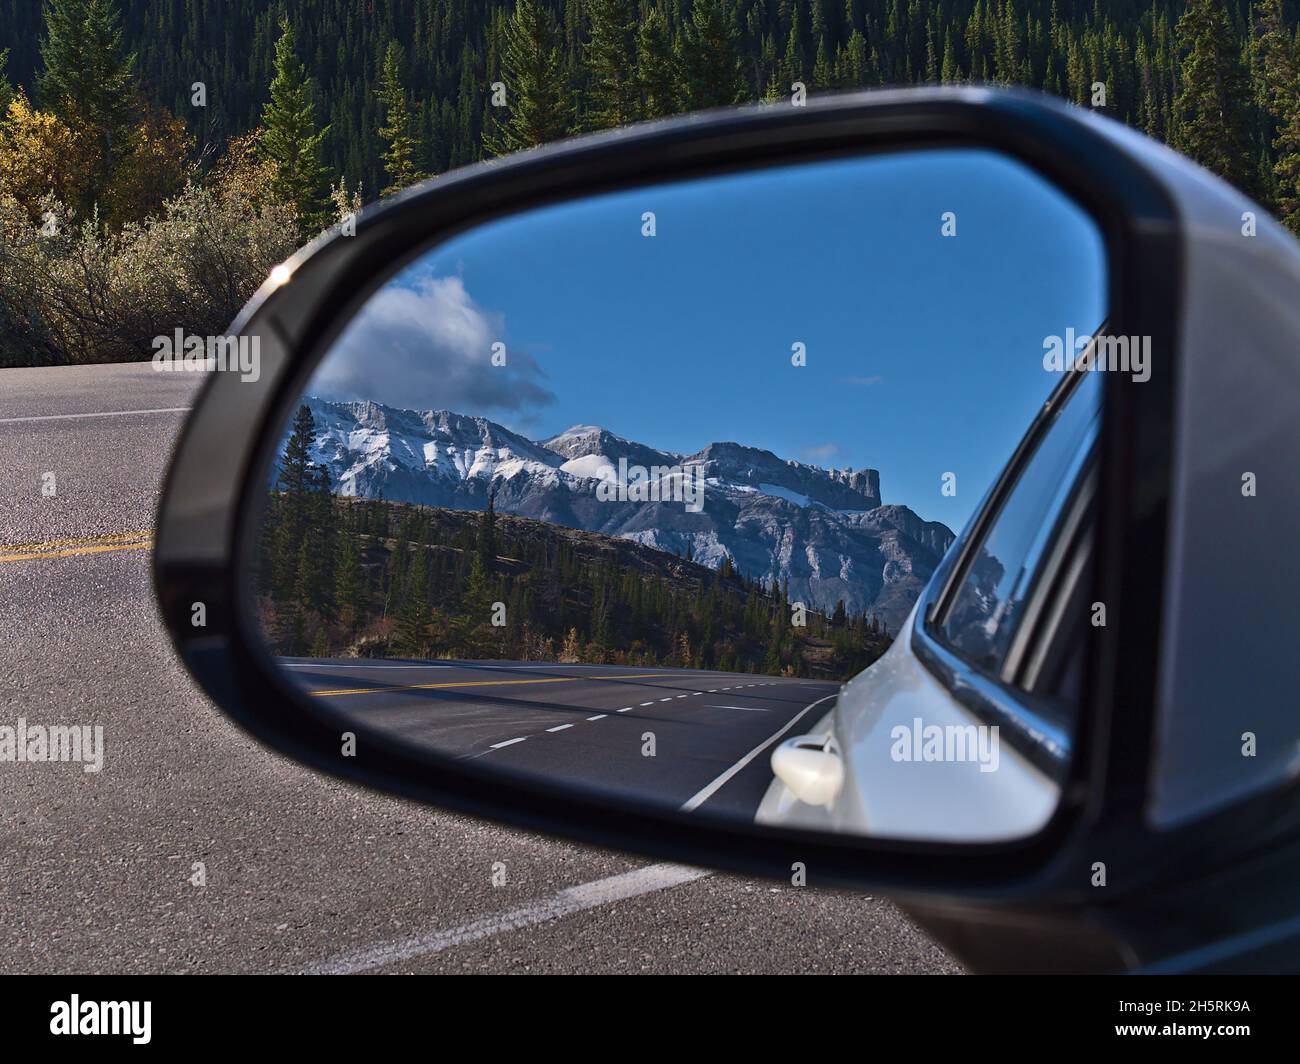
[
  {"x": 301, "y": 872},
  {"x": 676, "y": 738}
]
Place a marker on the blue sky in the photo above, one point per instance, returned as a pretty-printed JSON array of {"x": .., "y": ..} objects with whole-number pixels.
[{"x": 924, "y": 352}]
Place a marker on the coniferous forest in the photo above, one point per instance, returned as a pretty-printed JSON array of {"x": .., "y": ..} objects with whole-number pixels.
[
  {"x": 369, "y": 578},
  {"x": 158, "y": 156}
]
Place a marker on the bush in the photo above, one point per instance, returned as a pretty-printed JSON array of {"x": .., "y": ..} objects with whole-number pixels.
[{"x": 75, "y": 291}]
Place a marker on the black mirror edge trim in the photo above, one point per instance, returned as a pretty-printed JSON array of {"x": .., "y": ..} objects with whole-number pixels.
[{"x": 1140, "y": 226}]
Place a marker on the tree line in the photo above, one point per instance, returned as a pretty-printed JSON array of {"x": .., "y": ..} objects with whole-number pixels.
[
  {"x": 132, "y": 131},
  {"x": 354, "y": 577}
]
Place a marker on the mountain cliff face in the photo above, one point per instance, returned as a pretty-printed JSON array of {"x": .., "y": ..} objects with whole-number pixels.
[{"x": 825, "y": 531}]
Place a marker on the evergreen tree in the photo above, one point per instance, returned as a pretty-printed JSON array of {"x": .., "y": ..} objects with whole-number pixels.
[
  {"x": 711, "y": 70},
  {"x": 294, "y": 484},
  {"x": 487, "y": 538},
  {"x": 1278, "y": 80},
  {"x": 6, "y": 89},
  {"x": 656, "y": 72},
  {"x": 401, "y": 146},
  {"x": 1210, "y": 112},
  {"x": 610, "y": 58},
  {"x": 412, "y": 627},
  {"x": 290, "y": 140},
  {"x": 88, "y": 78},
  {"x": 350, "y": 580},
  {"x": 539, "y": 107}
]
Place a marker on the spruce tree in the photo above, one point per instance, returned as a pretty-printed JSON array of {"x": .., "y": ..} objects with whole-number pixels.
[
  {"x": 401, "y": 146},
  {"x": 614, "y": 95},
  {"x": 88, "y": 78},
  {"x": 1211, "y": 122},
  {"x": 290, "y": 140},
  {"x": 1278, "y": 83},
  {"x": 6, "y": 88},
  {"x": 487, "y": 536},
  {"x": 656, "y": 71},
  {"x": 711, "y": 70},
  {"x": 538, "y": 102}
]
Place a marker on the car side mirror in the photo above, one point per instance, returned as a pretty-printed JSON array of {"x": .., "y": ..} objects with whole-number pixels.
[{"x": 737, "y": 489}]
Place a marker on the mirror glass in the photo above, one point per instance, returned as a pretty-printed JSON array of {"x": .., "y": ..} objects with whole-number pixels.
[{"x": 635, "y": 495}]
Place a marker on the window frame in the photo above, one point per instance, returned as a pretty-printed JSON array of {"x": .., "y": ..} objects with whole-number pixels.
[{"x": 1029, "y": 721}]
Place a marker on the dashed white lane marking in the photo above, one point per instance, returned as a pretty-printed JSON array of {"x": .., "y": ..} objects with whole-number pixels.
[
  {"x": 560, "y": 727},
  {"x": 668, "y": 699},
  {"x": 106, "y": 413},
  {"x": 601, "y": 716},
  {"x": 628, "y": 709},
  {"x": 703, "y": 795},
  {"x": 681, "y": 696},
  {"x": 747, "y": 709},
  {"x": 651, "y": 703},
  {"x": 564, "y": 903},
  {"x": 508, "y": 742}
]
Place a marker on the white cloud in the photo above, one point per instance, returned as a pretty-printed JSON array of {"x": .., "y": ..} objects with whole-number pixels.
[{"x": 428, "y": 345}]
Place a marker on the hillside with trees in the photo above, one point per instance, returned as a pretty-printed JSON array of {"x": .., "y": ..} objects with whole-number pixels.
[
  {"x": 156, "y": 159},
  {"x": 370, "y": 578}
]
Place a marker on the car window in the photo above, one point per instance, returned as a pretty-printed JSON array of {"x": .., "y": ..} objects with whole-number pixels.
[{"x": 990, "y": 600}]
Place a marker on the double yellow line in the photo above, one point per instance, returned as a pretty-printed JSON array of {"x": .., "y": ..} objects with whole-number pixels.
[{"x": 72, "y": 548}]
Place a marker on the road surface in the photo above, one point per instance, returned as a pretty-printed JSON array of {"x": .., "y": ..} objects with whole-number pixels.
[
  {"x": 302, "y": 872},
  {"x": 590, "y": 725}
]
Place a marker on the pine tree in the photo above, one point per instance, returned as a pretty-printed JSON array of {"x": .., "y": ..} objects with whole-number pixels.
[
  {"x": 412, "y": 627},
  {"x": 401, "y": 146},
  {"x": 610, "y": 57},
  {"x": 1211, "y": 123},
  {"x": 1278, "y": 84},
  {"x": 349, "y": 580},
  {"x": 487, "y": 537},
  {"x": 539, "y": 106},
  {"x": 295, "y": 485},
  {"x": 711, "y": 70},
  {"x": 290, "y": 140},
  {"x": 656, "y": 73},
  {"x": 6, "y": 88},
  {"x": 88, "y": 78}
]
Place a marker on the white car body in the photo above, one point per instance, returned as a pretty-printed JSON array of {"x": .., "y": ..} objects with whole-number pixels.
[{"x": 882, "y": 795}]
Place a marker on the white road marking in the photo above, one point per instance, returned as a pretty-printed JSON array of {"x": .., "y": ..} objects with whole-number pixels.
[
  {"x": 600, "y": 716},
  {"x": 747, "y": 709},
  {"x": 703, "y": 795},
  {"x": 627, "y": 709},
  {"x": 643, "y": 703},
  {"x": 669, "y": 699},
  {"x": 564, "y": 903},
  {"x": 681, "y": 696},
  {"x": 106, "y": 413},
  {"x": 560, "y": 727},
  {"x": 508, "y": 742}
]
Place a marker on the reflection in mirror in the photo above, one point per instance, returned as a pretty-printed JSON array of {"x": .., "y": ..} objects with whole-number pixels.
[{"x": 635, "y": 495}]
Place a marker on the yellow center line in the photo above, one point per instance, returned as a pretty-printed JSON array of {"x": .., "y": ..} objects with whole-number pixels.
[
  {"x": 479, "y": 683},
  {"x": 17, "y": 552}
]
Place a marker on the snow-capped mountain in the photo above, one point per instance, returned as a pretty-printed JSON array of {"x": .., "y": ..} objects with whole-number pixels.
[{"x": 825, "y": 531}]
